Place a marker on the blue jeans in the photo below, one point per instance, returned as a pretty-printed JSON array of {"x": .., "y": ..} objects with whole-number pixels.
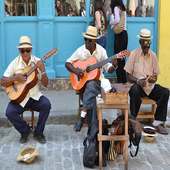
[
  {"x": 91, "y": 90},
  {"x": 14, "y": 110}
]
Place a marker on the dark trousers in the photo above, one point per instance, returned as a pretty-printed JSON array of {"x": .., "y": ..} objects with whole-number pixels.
[
  {"x": 91, "y": 90},
  {"x": 158, "y": 94},
  {"x": 14, "y": 110},
  {"x": 120, "y": 43}
]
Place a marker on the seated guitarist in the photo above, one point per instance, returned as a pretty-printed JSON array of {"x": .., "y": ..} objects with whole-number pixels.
[
  {"x": 34, "y": 99},
  {"x": 92, "y": 87}
]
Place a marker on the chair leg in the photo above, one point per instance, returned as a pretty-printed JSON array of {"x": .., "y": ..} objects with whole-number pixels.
[{"x": 32, "y": 119}]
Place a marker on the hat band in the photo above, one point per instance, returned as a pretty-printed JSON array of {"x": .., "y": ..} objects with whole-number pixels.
[
  {"x": 25, "y": 43},
  {"x": 91, "y": 35},
  {"x": 145, "y": 36}
]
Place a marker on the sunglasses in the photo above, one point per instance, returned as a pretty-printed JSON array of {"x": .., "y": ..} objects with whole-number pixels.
[
  {"x": 25, "y": 50},
  {"x": 88, "y": 40}
]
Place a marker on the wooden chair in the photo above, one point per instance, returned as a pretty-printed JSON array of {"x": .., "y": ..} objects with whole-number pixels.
[
  {"x": 147, "y": 114},
  {"x": 31, "y": 122}
]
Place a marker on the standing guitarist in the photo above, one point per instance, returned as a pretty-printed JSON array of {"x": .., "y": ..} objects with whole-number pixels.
[
  {"x": 34, "y": 99},
  {"x": 92, "y": 87}
]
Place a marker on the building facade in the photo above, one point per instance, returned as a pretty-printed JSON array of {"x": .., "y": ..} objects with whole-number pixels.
[{"x": 60, "y": 23}]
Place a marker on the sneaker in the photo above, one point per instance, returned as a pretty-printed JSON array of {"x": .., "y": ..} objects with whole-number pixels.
[
  {"x": 167, "y": 123},
  {"x": 40, "y": 138},
  {"x": 24, "y": 137},
  {"x": 78, "y": 125}
]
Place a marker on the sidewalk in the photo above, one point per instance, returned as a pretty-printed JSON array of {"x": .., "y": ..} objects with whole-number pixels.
[{"x": 64, "y": 149}]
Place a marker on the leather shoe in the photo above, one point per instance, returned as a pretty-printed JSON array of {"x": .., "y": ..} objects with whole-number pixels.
[
  {"x": 24, "y": 137},
  {"x": 40, "y": 138},
  {"x": 78, "y": 125},
  {"x": 161, "y": 129}
]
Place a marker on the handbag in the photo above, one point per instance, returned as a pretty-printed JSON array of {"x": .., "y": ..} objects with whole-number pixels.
[{"x": 118, "y": 28}]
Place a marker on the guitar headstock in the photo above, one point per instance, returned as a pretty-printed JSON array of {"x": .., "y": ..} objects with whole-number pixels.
[
  {"x": 123, "y": 54},
  {"x": 50, "y": 53}
]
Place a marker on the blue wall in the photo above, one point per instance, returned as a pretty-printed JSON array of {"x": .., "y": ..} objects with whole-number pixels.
[{"x": 65, "y": 33}]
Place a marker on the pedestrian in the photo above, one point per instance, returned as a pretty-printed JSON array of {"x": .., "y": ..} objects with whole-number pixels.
[{"x": 118, "y": 24}]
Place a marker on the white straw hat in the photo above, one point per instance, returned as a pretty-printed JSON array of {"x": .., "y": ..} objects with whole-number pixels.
[
  {"x": 25, "y": 42},
  {"x": 91, "y": 32},
  {"x": 145, "y": 34}
]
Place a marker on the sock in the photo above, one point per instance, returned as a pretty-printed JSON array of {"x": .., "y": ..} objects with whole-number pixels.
[
  {"x": 156, "y": 122},
  {"x": 83, "y": 114}
]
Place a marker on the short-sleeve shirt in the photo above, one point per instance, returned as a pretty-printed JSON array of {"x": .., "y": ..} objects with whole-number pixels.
[
  {"x": 18, "y": 66},
  {"x": 141, "y": 66},
  {"x": 82, "y": 53}
]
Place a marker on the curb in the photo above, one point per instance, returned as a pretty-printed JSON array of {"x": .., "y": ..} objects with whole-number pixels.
[{"x": 64, "y": 119}]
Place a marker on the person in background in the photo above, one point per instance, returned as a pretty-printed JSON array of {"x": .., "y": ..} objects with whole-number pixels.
[
  {"x": 82, "y": 11},
  {"x": 34, "y": 100},
  {"x": 142, "y": 70},
  {"x": 100, "y": 22},
  {"x": 120, "y": 39}
]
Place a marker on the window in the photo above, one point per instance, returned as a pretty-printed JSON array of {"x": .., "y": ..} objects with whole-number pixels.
[
  {"x": 106, "y": 7},
  {"x": 70, "y": 7},
  {"x": 20, "y": 7},
  {"x": 140, "y": 8}
]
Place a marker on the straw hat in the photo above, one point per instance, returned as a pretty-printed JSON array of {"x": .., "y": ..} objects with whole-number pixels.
[
  {"x": 91, "y": 33},
  {"x": 149, "y": 134},
  {"x": 25, "y": 42},
  {"x": 145, "y": 34},
  {"x": 27, "y": 154}
]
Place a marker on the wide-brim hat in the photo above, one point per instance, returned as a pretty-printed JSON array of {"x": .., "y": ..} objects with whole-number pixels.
[
  {"x": 145, "y": 34},
  {"x": 24, "y": 42},
  {"x": 91, "y": 33},
  {"x": 27, "y": 154},
  {"x": 149, "y": 131}
]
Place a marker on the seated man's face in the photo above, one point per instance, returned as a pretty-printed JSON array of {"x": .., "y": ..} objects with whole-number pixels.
[
  {"x": 145, "y": 45},
  {"x": 90, "y": 44}
]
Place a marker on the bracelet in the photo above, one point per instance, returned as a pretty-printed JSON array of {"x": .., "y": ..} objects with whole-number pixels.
[{"x": 43, "y": 73}]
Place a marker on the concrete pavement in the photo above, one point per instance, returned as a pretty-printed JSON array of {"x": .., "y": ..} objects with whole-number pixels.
[{"x": 64, "y": 148}]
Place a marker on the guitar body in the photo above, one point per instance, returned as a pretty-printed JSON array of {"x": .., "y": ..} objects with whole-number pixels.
[
  {"x": 18, "y": 91},
  {"x": 77, "y": 83}
]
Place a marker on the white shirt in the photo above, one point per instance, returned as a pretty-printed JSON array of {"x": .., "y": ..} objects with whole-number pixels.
[
  {"x": 82, "y": 54},
  {"x": 18, "y": 66}
]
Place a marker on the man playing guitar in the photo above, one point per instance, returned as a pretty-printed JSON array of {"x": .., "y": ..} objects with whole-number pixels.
[
  {"x": 34, "y": 100},
  {"x": 92, "y": 87}
]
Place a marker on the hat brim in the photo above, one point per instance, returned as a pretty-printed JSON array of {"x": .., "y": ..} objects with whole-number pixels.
[
  {"x": 148, "y": 134},
  {"x": 24, "y": 46},
  {"x": 89, "y": 37},
  {"x": 144, "y": 38}
]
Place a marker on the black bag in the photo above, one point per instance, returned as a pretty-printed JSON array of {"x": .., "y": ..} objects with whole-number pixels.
[
  {"x": 89, "y": 155},
  {"x": 135, "y": 133}
]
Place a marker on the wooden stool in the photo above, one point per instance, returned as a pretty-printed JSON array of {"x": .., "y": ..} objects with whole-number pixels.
[
  {"x": 31, "y": 121},
  {"x": 114, "y": 101},
  {"x": 147, "y": 114}
]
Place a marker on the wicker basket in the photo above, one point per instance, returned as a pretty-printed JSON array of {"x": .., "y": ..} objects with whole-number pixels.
[
  {"x": 27, "y": 155},
  {"x": 116, "y": 98}
]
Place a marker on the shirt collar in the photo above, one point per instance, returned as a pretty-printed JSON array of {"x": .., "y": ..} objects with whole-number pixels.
[{"x": 22, "y": 61}]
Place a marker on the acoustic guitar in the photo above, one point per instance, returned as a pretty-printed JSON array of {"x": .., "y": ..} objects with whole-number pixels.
[
  {"x": 18, "y": 91},
  {"x": 93, "y": 69}
]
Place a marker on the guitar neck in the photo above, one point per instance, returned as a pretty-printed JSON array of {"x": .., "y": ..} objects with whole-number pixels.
[
  {"x": 101, "y": 63},
  {"x": 50, "y": 53}
]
